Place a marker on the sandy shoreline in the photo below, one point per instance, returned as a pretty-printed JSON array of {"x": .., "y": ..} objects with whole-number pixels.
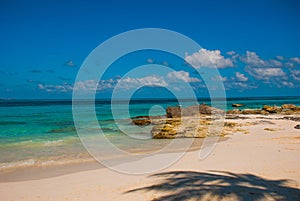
[{"x": 249, "y": 165}]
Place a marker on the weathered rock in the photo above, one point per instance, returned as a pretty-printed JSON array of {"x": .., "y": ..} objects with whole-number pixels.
[
  {"x": 195, "y": 121},
  {"x": 146, "y": 120},
  {"x": 141, "y": 120},
  {"x": 235, "y": 111},
  {"x": 287, "y": 111},
  {"x": 205, "y": 109},
  {"x": 272, "y": 109},
  {"x": 192, "y": 127},
  {"x": 251, "y": 111},
  {"x": 173, "y": 112},
  {"x": 237, "y": 105},
  {"x": 167, "y": 129},
  {"x": 289, "y": 106},
  {"x": 297, "y": 126}
]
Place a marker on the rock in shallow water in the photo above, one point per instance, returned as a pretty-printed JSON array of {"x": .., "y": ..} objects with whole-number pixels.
[
  {"x": 141, "y": 121},
  {"x": 237, "y": 105}
]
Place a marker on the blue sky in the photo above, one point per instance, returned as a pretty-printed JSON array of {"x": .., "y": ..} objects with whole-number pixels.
[{"x": 255, "y": 45}]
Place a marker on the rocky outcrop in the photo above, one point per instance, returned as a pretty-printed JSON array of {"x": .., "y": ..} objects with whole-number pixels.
[
  {"x": 146, "y": 120},
  {"x": 187, "y": 127},
  {"x": 141, "y": 120},
  {"x": 195, "y": 121},
  {"x": 272, "y": 109},
  {"x": 286, "y": 109},
  {"x": 173, "y": 112},
  {"x": 289, "y": 106},
  {"x": 234, "y": 111},
  {"x": 237, "y": 105},
  {"x": 254, "y": 111},
  {"x": 177, "y": 111}
]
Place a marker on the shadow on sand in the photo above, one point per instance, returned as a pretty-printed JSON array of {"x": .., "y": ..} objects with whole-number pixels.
[{"x": 219, "y": 185}]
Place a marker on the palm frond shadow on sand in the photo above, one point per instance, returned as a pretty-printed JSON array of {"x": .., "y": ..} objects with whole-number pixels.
[{"x": 219, "y": 185}]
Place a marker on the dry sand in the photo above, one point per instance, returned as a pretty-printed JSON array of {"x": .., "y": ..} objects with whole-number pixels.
[{"x": 261, "y": 164}]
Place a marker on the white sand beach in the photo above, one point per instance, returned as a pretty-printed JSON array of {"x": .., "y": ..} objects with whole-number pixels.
[{"x": 261, "y": 164}]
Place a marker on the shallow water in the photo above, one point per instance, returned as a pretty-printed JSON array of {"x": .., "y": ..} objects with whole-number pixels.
[{"x": 42, "y": 132}]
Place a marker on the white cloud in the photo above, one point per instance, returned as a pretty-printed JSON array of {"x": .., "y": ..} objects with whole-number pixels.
[
  {"x": 153, "y": 80},
  {"x": 295, "y": 59},
  {"x": 56, "y": 88},
  {"x": 241, "y": 77},
  {"x": 182, "y": 75},
  {"x": 265, "y": 73},
  {"x": 70, "y": 63},
  {"x": 275, "y": 63},
  {"x": 230, "y": 53},
  {"x": 241, "y": 85},
  {"x": 287, "y": 84},
  {"x": 253, "y": 60},
  {"x": 86, "y": 85},
  {"x": 170, "y": 79},
  {"x": 165, "y": 63},
  {"x": 263, "y": 69},
  {"x": 219, "y": 78},
  {"x": 296, "y": 74},
  {"x": 151, "y": 61},
  {"x": 208, "y": 58},
  {"x": 290, "y": 64},
  {"x": 280, "y": 58}
]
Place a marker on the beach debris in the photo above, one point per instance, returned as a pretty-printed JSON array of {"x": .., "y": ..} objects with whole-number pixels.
[
  {"x": 297, "y": 126},
  {"x": 237, "y": 105}
]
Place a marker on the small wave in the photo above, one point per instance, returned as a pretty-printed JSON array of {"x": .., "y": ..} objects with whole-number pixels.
[
  {"x": 52, "y": 143},
  {"x": 6, "y": 167},
  {"x": 23, "y": 163}
]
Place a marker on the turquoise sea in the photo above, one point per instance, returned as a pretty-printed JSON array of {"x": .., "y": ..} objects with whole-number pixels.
[{"x": 42, "y": 132}]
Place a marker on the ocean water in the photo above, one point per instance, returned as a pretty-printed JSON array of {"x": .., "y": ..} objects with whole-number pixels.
[{"x": 42, "y": 132}]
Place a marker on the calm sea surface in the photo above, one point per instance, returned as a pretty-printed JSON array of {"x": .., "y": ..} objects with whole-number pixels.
[{"x": 41, "y": 132}]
